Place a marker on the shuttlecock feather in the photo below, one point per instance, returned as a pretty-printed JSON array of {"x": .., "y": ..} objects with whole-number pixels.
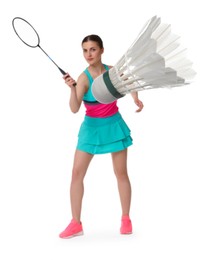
[{"x": 154, "y": 60}]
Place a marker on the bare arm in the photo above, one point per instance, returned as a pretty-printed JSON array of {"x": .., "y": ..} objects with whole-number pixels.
[
  {"x": 77, "y": 92},
  {"x": 137, "y": 101}
]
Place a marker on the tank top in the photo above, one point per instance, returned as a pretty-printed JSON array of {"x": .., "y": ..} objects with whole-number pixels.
[{"x": 93, "y": 107}]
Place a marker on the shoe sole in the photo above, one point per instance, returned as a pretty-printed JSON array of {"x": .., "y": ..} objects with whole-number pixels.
[
  {"x": 74, "y": 235},
  {"x": 127, "y": 233}
]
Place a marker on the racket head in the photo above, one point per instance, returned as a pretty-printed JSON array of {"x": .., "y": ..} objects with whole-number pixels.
[{"x": 26, "y": 32}]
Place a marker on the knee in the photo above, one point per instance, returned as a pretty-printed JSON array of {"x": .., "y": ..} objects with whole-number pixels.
[
  {"x": 77, "y": 175},
  {"x": 121, "y": 175}
]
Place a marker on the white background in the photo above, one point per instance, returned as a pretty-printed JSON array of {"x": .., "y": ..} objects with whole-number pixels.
[{"x": 171, "y": 161}]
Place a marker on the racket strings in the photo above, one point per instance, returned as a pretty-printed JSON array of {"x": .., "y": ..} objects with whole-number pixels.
[
  {"x": 26, "y": 32},
  {"x": 29, "y": 36}
]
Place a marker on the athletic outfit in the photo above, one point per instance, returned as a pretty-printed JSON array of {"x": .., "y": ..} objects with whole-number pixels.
[{"x": 103, "y": 129}]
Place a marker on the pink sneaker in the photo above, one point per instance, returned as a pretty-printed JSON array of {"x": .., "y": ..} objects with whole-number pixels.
[
  {"x": 126, "y": 225},
  {"x": 73, "y": 229}
]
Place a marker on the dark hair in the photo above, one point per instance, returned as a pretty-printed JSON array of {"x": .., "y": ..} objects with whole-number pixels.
[{"x": 94, "y": 38}]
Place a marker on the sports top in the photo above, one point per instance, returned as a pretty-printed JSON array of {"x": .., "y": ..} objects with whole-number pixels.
[{"x": 93, "y": 107}]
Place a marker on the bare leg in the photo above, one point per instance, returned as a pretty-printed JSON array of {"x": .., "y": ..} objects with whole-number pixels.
[
  {"x": 80, "y": 166},
  {"x": 119, "y": 160}
]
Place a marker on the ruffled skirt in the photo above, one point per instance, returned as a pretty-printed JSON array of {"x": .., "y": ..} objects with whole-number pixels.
[{"x": 104, "y": 135}]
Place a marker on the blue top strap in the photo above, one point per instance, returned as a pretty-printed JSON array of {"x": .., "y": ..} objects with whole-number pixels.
[{"x": 88, "y": 97}]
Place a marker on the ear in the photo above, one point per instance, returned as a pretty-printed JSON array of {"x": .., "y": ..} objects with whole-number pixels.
[{"x": 102, "y": 50}]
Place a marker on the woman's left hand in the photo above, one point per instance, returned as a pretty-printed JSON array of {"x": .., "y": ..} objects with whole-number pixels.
[{"x": 139, "y": 103}]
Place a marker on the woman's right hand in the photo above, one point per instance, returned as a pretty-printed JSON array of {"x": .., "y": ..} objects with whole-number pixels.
[{"x": 69, "y": 80}]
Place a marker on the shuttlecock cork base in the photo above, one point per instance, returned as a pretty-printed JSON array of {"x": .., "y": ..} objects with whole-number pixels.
[
  {"x": 104, "y": 90},
  {"x": 154, "y": 60}
]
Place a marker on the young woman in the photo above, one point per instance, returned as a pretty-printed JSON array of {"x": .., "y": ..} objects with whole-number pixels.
[{"x": 102, "y": 131}]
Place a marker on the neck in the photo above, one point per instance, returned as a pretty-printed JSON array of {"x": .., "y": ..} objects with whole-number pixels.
[{"x": 97, "y": 68}]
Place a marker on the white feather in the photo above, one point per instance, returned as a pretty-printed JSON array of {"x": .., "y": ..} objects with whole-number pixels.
[{"x": 154, "y": 60}]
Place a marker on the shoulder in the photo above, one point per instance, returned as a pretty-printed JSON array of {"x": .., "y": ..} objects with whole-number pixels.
[{"x": 83, "y": 77}]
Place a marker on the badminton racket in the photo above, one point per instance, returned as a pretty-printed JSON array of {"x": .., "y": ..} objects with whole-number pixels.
[{"x": 29, "y": 36}]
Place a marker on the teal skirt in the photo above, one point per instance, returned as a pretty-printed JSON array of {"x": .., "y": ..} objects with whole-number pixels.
[{"x": 104, "y": 135}]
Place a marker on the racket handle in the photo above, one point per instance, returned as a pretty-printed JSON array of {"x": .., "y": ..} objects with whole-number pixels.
[{"x": 63, "y": 73}]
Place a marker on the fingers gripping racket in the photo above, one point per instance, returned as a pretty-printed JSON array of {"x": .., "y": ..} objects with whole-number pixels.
[{"x": 29, "y": 36}]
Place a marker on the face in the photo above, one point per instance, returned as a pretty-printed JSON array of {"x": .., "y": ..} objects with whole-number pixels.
[{"x": 92, "y": 52}]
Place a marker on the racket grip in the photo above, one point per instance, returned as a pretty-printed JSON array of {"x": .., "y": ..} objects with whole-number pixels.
[
  {"x": 63, "y": 73},
  {"x": 74, "y": 85}
]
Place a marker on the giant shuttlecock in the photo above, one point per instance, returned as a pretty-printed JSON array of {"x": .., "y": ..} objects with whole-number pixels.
[{"x": 154, "y": 60}]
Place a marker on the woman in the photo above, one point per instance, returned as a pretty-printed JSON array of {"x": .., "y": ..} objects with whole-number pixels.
[{"x": 103, "y": 131}]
